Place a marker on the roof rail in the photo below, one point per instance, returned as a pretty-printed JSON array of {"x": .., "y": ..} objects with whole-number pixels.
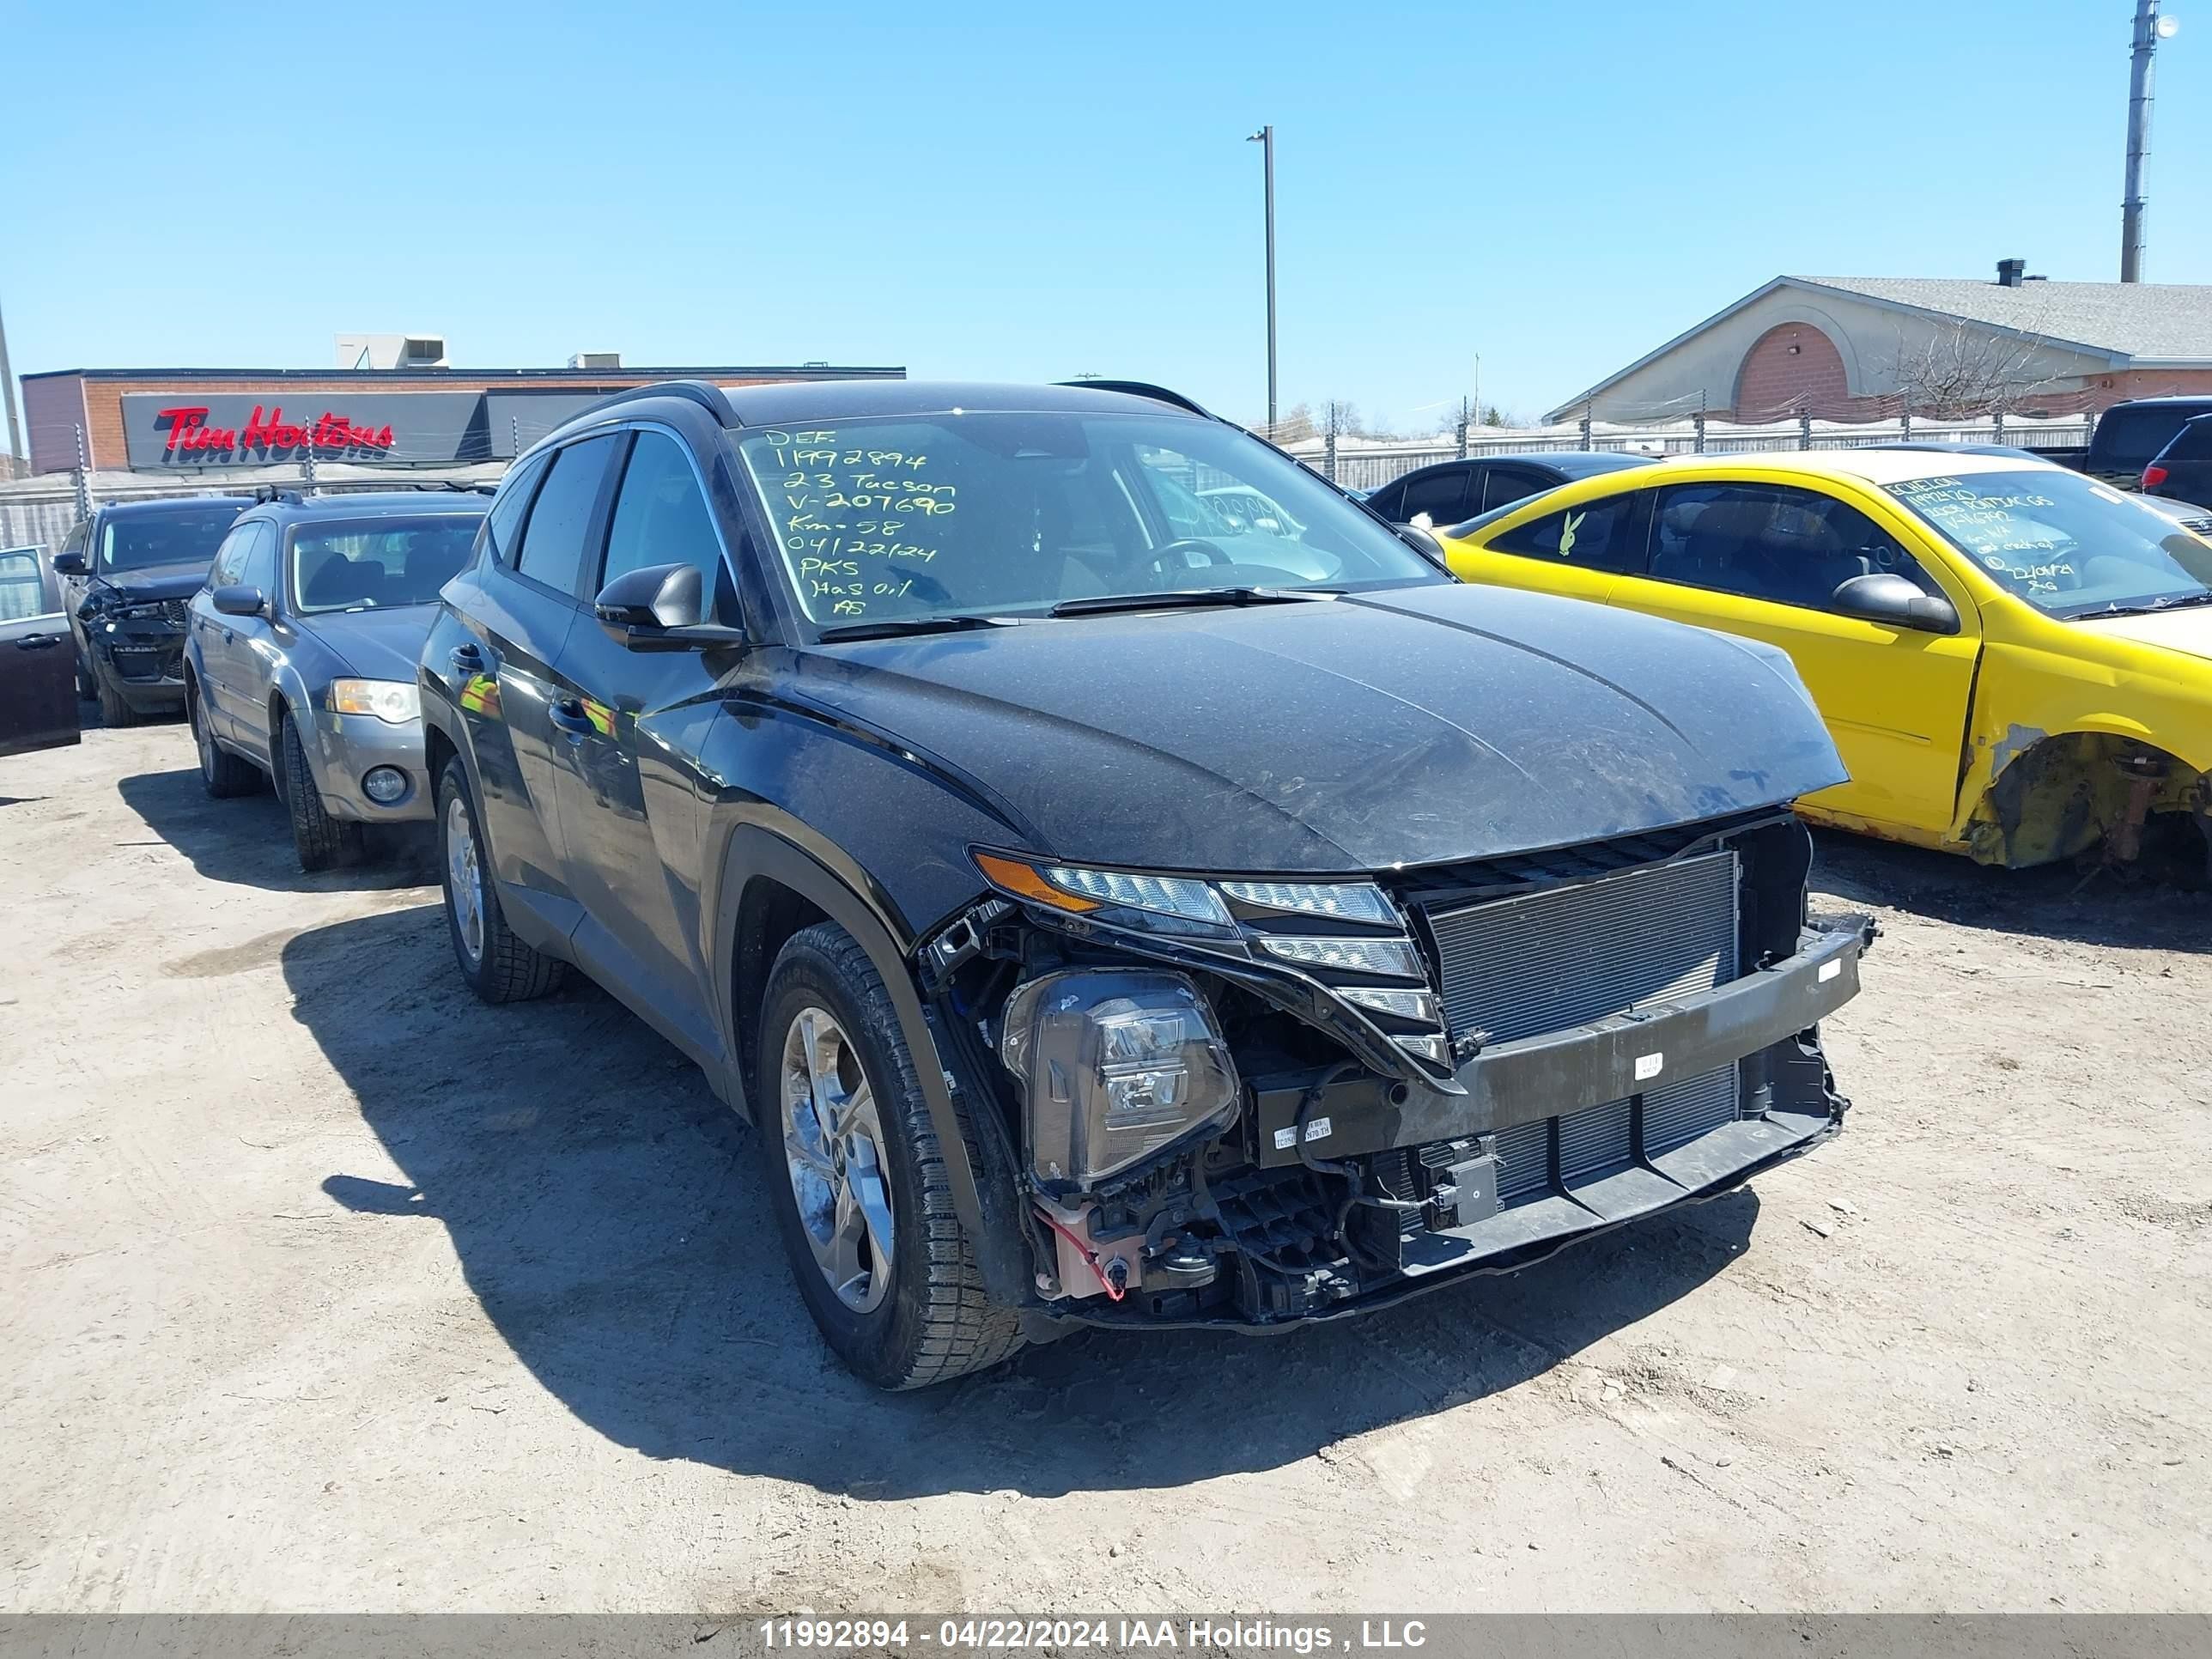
[
  {"x": 265, "y": 493},
  {"x": 704, "y": 393},
  {"x": 1158, "y": 394}
]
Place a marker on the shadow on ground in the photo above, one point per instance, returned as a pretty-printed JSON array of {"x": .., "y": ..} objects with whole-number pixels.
[
  {"x": 612, "y": 1218},
  {"x": 2055, "y": 902},
  {"x": 248, "y": 840}
]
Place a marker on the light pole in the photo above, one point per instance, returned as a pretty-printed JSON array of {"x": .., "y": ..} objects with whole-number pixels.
[
  {"x": 1266, "y": 139},
  {"x": 2150, "y": 29}
]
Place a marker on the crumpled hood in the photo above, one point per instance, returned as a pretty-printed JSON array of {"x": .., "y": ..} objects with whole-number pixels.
[
  {"x": 1422, "y": 726},
  {"x": 376, "y": 644},
  {"x": 160, "y": 581}
]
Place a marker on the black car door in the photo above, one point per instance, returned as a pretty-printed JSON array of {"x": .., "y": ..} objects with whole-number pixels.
[
  {"x": 37, "y": 659},
  {"x": 624, "y": 724},
  {"x": 521, "y": 616}
]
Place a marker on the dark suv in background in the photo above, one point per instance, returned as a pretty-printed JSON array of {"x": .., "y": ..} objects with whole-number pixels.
[
  {"x": 129, "y": 572},
  {"x": 2182, "y": 471},
  {"x": 1106, "y": 923}
]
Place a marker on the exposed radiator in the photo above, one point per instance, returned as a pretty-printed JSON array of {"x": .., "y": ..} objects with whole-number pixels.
[{"x": 1564, "y": 956}]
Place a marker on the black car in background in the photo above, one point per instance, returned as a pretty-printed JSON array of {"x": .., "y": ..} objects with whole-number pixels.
[
  {"x": 2128, "y": 436},
  {"x": 1451, "y": 491},
  {"x": 2182, "y": 471},
  {"x": 130, "y": 570},
  {"x": 1104, "y": 922}
]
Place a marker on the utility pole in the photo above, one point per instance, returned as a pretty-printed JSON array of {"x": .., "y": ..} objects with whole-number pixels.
[
  {"x": 17, "y": 450},
  {"x": 2150, "y": 28},
  {"x": 1266, "y": 139}
]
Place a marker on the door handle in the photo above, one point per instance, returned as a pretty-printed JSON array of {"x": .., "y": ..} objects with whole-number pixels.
[
  {"x": 38, "y": 641},
  {"x": 466, "y": 660},
  {"x": 569, "y": 715}
]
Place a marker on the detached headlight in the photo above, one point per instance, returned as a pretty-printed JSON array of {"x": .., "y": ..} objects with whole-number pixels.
[
  {"x": 395, "y": 701},
  {"x": 1116, "y": 1064}
]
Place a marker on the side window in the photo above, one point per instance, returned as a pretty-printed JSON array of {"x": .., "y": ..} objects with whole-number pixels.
[
  {"x": 552, "y": 550},
  {"x": 503, "y": 524},
  {"x": 1385, "y": 501},
  {"x": 1768, "y": 541},
  {"x": 77, "y": 540},
  {"x": 1507, "y": 485},
  {"x": 1442, "y": 495},
  {"x": 22, "y": 586},
  {"x": 1598, "y": 534},
  {"x": 230, "y": 557},
  {"x": 2195, "y": 443},
  {"x": 660, "y": 518},
  {"x": 259, "y": 569}
]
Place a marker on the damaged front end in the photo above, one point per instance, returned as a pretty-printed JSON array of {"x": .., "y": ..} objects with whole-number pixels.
[{"x": 1247, "y": 1101}]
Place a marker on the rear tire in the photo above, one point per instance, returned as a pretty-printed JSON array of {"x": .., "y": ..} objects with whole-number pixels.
[
  {"x": 222, "y": 774},
  {"x": 498, "y": 966},
  {"x": 925, "y": 1317},
  {"x": 321, "y": 841}
]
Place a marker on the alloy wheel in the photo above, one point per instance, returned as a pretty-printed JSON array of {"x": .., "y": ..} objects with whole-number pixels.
[
  {"x": 465, "y": 879},
  {"x": 833, "y": 1148}
]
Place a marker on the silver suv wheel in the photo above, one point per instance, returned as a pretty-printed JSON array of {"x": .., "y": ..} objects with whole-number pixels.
[{"x": 833, "y": 1149}]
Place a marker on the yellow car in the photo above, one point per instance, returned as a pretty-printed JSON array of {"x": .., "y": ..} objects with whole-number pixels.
[{"x": 2014, "y": 661}]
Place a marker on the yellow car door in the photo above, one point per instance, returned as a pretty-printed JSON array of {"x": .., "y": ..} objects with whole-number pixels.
[
  {"x": 1577, "y": 549},
  {"x": 1764, "y": 560}
]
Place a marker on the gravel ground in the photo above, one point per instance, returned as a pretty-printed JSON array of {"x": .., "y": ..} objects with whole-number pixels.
[{"x": 326, "y": 1288}]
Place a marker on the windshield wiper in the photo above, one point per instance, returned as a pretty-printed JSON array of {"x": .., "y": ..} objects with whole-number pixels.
[
  {"x": 1104, "y": 602},
  {"x": 2149, "y": 609},
  {"x": 893, "y": 628}
]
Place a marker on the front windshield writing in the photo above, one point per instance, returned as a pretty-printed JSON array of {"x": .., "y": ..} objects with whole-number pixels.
[
  {"x": 2064, "y": 543},
  {"x": 996, "y": 513}
]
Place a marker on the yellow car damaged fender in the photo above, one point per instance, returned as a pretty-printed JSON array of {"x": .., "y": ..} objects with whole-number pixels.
[{"x": 2014, "y": 661}]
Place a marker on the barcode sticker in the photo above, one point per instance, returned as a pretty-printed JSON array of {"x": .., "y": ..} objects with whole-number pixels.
[
  {"x": 1647, "y": 1065},
  {"x": 1830, "y": 969}
]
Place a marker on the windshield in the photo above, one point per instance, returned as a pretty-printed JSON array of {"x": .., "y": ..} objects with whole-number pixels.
[
  {"x": 2064, "y": 543},
  {"x": 974, "y": 514},
  {"x": 378, "y": 562},
  {"x": 183, "y": 535}
]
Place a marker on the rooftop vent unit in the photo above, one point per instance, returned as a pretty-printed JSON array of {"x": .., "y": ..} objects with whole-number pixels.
[
  {"x": 596, "y": 359},
  {"x": 391, "y": 351}
]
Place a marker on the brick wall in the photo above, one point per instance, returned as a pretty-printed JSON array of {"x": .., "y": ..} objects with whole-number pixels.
[{"x": 1794, "y": 366}]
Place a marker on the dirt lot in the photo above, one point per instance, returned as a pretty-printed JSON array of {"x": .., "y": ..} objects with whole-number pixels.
[{"x": 327, "y": 1288}]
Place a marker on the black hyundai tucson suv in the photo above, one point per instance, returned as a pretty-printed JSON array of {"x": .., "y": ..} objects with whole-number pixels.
[{"x": 1107, "y": 914}]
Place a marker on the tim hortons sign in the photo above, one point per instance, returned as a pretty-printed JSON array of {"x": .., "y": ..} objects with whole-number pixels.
[{"x": 171, "y": 431}]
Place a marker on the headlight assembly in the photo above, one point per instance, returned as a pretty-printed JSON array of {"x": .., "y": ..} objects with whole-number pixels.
[
  {"x": 1115, "y": 1065},
  {"x": 1171, "y": 904},
  {"x": 394, "y": 702}
]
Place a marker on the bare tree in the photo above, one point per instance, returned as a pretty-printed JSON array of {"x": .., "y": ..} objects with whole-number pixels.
[{"x": 1964, "y": 369}]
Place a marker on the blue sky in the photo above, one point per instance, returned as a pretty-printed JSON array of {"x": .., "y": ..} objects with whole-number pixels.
[{"x": 1038, "y": 191}]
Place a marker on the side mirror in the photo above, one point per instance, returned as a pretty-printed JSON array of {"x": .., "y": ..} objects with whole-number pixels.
[
  {"x": 1890, "y": 600},
  {"x": 1423, "y": 541},
  {"x": 659, "y": 596},
  {"x": 239, "y": 601},
  {"x": 71, "y": 564}
]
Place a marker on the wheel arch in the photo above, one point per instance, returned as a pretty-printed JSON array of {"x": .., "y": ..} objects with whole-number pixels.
[
  {"x": 2052, "y": 795},
  {"x": 768, "y": 881}
]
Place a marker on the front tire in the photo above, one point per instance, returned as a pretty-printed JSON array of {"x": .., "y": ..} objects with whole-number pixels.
[
  {"x": 858, "y": 1177},
  {"x": 115, "y": 709},
  {"x": 320, "y": 840},
  {"x": 222, "y": 774},
  {"x": 498, "y": 966}
]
